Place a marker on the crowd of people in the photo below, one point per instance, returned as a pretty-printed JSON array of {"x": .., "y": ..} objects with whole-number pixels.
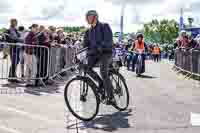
[
  {"x": 39, "y": 35},
  {"x": 29, "y": 57},
  {"x": 187, "y": 41}
]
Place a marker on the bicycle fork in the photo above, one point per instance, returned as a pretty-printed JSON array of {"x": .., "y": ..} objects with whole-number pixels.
[{"x": 84, "y": 90}]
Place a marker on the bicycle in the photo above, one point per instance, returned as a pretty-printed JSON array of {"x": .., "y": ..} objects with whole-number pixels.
[{"x": 89, "y": 89}]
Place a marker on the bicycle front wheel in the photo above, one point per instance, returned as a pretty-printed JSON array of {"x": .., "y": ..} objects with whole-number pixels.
[
  {"x": 81, "y": 98},
  {"x": 120, "y": 91}
]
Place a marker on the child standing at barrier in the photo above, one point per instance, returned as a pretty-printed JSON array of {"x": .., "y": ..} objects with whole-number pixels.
[{"x": 30, "y": 58}]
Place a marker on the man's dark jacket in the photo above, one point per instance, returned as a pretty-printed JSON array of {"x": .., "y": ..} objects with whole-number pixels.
[{"x": 99, "y": 37}]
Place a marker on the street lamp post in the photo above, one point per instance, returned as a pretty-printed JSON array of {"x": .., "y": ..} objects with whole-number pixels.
[{"x": 121, "y": 23}]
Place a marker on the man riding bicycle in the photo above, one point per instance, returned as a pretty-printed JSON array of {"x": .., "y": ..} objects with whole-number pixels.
[
  {"x": 139, "y": 46},
  {"x": 98, "y": 39}
]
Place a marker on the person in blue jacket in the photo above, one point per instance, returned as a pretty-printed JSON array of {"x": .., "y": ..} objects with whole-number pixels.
[{"x": 99, "y": 40}]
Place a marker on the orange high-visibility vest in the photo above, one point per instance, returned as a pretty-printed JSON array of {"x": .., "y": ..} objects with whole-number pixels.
[
  {"x": 156, "y": 50},
  {"x": 139, "y": 46}
]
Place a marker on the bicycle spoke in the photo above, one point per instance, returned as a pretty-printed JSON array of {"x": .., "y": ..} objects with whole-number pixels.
[
  {"x": 81, "y": 105},
  {"x": 120, "y": 91}
]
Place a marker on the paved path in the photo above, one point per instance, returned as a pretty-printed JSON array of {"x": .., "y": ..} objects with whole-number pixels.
[{"x": 161, "y": 102}]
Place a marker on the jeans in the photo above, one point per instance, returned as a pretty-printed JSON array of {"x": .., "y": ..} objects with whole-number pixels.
[
  {"x": 129, "y": 59},
  {"x": 135, "y": 58},
  {"x": 105, "y": 61},
  {"x": 14, "y": 57},
  {"x": 42, "y": 65}
]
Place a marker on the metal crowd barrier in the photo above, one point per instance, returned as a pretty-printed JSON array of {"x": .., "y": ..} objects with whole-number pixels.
[
  {"x": 34, "y": 62},
  {"x": 61, "y": 60},
  {"x": 188, "y": 61},
  {"x": 23, "y": 61}
]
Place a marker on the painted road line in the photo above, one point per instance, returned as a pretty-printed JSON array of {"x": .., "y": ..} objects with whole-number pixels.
[
  {"x": 10, "y": 130},
  {"x": 29, "y": 115},
  {"x": 195, "y": 119}
]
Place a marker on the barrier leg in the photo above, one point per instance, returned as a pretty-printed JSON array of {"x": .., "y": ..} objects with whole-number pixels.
[
  {"x": 43, "y": 83},
  {"x": 188, "y": 76}
]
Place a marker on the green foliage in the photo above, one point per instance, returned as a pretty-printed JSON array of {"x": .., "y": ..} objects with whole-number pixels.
[
  {"x": 74, "y": 29},
  {"x": 164, "y": 31},
  {"x": 2, "y": 30}
]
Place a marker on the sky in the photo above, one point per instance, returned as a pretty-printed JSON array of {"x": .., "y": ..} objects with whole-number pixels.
[{"x": 72, "y": 12}]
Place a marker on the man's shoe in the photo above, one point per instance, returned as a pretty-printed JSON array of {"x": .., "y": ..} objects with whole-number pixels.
[
  {"x": 5, "y": 56},
  {"x": 13, "y": 81},
  {"x": 48, "y": 82},
  {"x": 29, "y": 85},
  {"x": 111, "y": 102}
]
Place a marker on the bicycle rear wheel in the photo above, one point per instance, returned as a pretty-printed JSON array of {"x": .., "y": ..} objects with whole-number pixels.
[
  {"x": 120, "y": 91},
  {"x": 81, "y": 98}
]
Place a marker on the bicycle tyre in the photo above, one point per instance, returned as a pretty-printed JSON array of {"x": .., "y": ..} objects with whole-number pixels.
[
  {"x": 118, "y": 107},
  {"x": 92, "y": 86}
]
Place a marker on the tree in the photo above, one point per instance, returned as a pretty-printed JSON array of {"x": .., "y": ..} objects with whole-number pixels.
[{"x": 164, "y": 31}]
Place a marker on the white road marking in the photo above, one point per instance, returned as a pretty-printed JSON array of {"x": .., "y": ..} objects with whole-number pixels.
[
  {"x": 195, "y": 119},
  {"x": 29, "y": 115},
  {"x": 9, "y": 129}
]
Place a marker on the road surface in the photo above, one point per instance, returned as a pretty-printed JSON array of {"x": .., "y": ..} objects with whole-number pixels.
[{"x": 161, "y": 102}]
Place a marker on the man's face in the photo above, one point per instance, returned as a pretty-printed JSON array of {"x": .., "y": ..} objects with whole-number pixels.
[{"x": 91, "y": 19}]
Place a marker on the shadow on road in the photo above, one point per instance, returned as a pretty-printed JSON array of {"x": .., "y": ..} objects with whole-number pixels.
[
  {"x": 33, "y": 90},
  {"x": 108, "y": 123},
  {"x": 146, "y": 77},
  {"x": 51, "y": 89},
  {"x": 38, "y": 90}
]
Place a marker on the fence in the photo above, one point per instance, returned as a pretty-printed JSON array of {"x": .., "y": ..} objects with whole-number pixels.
[
  {"x": 61, "y": 59},
  {"x": 34, "y": 62},
  {"x": 188, "y": 60}
]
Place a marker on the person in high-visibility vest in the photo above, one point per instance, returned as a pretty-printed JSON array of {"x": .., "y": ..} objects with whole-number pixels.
[
  {"x": 139, "y": 45},
  {"x": 156, "y": 52}
]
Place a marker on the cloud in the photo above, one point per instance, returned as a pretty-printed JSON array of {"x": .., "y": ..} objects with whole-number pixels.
[
  {"x": 72, "y": 12},
  {"x": 135, "y": 2},
  {"x": 47, "y": 9},
  {"x": 5, "y": 6}
]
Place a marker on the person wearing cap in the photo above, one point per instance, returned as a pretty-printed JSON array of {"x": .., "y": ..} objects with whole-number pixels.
[{"x": 99, "y": 40}]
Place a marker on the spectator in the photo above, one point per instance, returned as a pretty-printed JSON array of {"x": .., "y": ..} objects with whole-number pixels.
[
  {"x": 52, "y": 35},
  {"x": 183, "y": 40},
  {"x": 61, "y": 41},
  {"x": 192, "y": 42},
  {"x": 13, "y": 37},
  {"x": 22, "y": 37},
  {"x": 42, "y": 55},
  {"x": 30, "y": 58}
]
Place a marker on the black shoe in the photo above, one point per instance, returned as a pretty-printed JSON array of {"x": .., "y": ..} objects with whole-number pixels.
[
  {"x": 5, "y": 56},
  {"x": 111, "y": 102},
  {"x": 63, "y": 74},
  {"x": 48, "y": 82},
  {"x": 30, "y": 85},
  {"x": 133, "y": 70},
  {"x": 13, "y": 81}
]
